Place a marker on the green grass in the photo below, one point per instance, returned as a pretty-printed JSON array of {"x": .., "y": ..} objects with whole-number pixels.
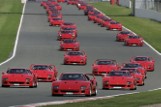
[
  {"x": 150, "y": 30},
  {"x": 134, "y": 100},
  {"x": 10, "y": 13}
]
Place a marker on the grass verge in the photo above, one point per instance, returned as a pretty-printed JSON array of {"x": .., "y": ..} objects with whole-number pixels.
[
  {"x": 10, "y": 13},
  {"x": 150, "y": 30}
]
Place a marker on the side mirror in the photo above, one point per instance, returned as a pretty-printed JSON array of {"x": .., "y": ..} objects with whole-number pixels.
[{"x": 3, "y": 73}]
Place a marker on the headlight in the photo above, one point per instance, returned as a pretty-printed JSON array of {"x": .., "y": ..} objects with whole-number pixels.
[
  {"x": 27, "y": 80},
  {"x": 106, "y": 82},
  {"x": 128, "y": 82},
  {"x": 137, "y": 79},
  {"x": 55, "y": 87},
  {"x": 60, "y": 35},
  {"x": 49, "y": 76},
  {"x": 5, "y": 79},
  {"x": 83, "y": 87},
  {"x": 95, "y": 69}
]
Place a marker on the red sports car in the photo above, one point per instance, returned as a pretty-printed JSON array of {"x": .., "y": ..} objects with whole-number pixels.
[
  {"x": 134, "y": 40},
  {"x": 121, "y": 36},
  {"x": 69, "y": 25},
  {"x": 137, "y": 66},
  {"x": 54, "y": 15},
  {"x": 66, "y": 34},
  {"x": 45, "y": 73},
  {"x": 69, "y": 44},
  {"x": 119, "y": 80},
  {"x": 19, "y": 77},
  {"x": 138, "y": 76},
  {"x": 103, "y": 66},
  {"x": 56, "y": 21},
  {"x": 75, "y": 57},
  {"x": 70, "y": 29},
  {"x": 72, "y": 2},
  {"x": 147, "y": 62},
  {"x": 81, "y": 5},
  {"x": 60, "y": 1},
  {"x": 75, "y": 84},
  {"x": 105, "y": 22},
  {"x": 113, "y": 25}
]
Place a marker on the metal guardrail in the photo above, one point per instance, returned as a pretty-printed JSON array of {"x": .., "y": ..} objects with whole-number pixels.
[{"x": 150, "y": 4}]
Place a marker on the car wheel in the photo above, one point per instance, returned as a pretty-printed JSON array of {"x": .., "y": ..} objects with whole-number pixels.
[
  {"x": 33, "y": 85},
  {"x": 90, "y": 92},
  {"x": 95, "y": 93},
  {"x": 36, "y": 84},
  {"x": 4, "y": 86}
]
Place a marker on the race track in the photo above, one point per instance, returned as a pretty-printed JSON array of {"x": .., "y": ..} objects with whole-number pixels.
[{"x": 38, "y": 45}]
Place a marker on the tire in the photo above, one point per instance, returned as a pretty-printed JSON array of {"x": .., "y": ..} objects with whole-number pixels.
[
  {"x": 90, "y": 93},
  {"x": 33, "y": 85},
  {"x": 95, "y": 93}
]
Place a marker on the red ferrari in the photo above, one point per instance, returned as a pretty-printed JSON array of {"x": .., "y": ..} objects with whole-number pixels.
[
  {"x": 69, "y": 25},
  {"x": 69, "y": 28},
  {"x": 66, "y": 34},
  {"x": 56, "y": 21},
  {"x": 19, "y": 77},
  {"x": 75, "y": 84},
  {"x": 134, "y": 40},
  {"x": 138, "y": 76},
  {"x": 60, "y": 1},
  {"x": 75, "y": 57},
  {"x": 45, "y": 73},
  {"x": 121, "y": 36},
  {"x": 137, "y": 66},
  {"x": 119, "y": 80},
  {"x": 104, "y": 66},
  {"x": 113, "y": 25},
  {"x": 69, "y": 44},
  {"x": 147, "y": 62}
]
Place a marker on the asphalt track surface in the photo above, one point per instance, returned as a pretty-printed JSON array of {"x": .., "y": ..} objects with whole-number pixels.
[{"x": 38, "y": 45}]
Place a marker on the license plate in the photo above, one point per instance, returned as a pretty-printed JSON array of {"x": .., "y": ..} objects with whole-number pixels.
[
  {"x": 74, "y": 63},
  {"x": 117, "y": 87},
  {"x": 69, "y": 93},
  {"x": 16, "y": 84}
]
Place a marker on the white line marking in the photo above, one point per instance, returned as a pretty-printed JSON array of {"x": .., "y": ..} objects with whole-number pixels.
[{"x": 17, "y": 37}]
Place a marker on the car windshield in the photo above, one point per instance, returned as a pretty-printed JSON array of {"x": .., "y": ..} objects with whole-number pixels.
[
  {"x": 119, "y": 73},
  {"x": 75, "y": 53},
  {"x": 18, "y": 71},
  {"x": 131, "y": 70},
  {"x": 40, "y": 67},
  {"x": 105, "y": 62},
  {"x": 56, "y": 18},
  {"x": 68, "y": 41},
  {"x": 141, "y": 59},
  {"x": 112, "y": 22},
  {"x": 68, "y": 28},
  {"x": 134, "y": 37},
  {"x": 68, "y": 24},
  {"x": 66, "y": 31},
  {"x": 131, "y": 65},
  {"x": 72, "y": 77},
  {"x": 125, "y": 32}
]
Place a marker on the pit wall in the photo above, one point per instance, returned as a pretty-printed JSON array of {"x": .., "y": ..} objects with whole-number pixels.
[{"x": 144, "y": 13}]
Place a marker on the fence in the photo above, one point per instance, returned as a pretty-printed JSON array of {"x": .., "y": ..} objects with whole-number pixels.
[{"x": 149, "y": 5}]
